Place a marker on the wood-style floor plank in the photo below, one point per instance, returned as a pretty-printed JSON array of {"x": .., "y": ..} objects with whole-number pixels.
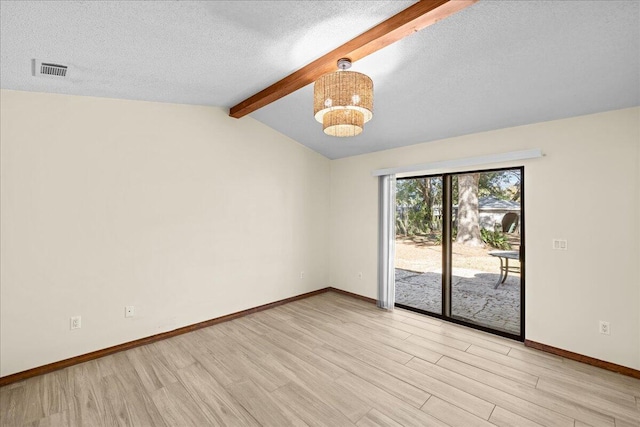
[
  {"x": 622, "y": 423},
  {"x": 127, "y": 408},
  {"x": 262, "y": 405},
  {"x": 554, "y": 371},
  {"x": 360, "y": 326},
  {"x": 503, "y": 418},
  {"x": 177, "y": 407},
  {"x": 13, "y": 403},
  {"x": 81, "y": 385},
  {"x": 434, "y": 386},
  {"x": 152, "y": 368},
  {"x": 212, "y": 398},
  {"x": 546, "y": 400},
  {"x": 309, "y": 408},
  {"x": 451, "y": 414},
  {"x": 398, "y": 388},
  {"x": 394, "y": 408},
  {"x": 602, "y": 401},
  {"x": 349, "y": 342},
  {"x": 473, "y": 384},
  {"x": 479, "y": 341},
  {"x": 486, "y": 364},
  {"x": 302, "y": 350},
  {"x": 375, "y": 418},
  {"x": 606, "y": 378},
  {"x": 349, "y": 316},
  {"x": 329, "y": 360},
  {"x": 296, "y": 370}
]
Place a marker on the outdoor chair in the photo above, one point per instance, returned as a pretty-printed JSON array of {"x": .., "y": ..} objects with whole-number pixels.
[{"x": 509, "y": 222}]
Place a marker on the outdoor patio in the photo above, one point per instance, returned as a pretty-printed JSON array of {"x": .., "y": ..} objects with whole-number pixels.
[{"x": 474, "y": 298}]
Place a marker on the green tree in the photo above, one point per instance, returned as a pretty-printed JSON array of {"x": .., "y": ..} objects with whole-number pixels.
[
  {"x": 415, "y": 200},
  {"x": 503, "y": 185}
]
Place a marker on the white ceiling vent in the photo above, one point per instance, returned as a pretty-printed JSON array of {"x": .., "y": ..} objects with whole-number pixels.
[{"x": 48, "y": 69}]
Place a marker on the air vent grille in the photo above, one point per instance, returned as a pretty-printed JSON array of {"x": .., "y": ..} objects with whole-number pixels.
[{"x": 53, "y": 69}]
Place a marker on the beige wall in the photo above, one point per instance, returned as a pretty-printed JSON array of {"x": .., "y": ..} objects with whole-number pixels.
[
  {"x": 188, "y": 215},
  {"x": 586, "y": 189},
  {"x": 178, "y": 210}
]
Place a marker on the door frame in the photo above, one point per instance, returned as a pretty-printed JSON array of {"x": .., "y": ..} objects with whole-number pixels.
[{"x": 447, "y": 227}]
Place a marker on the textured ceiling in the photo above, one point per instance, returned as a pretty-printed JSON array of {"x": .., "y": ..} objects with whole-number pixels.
[{"x": 495, "y": 64}]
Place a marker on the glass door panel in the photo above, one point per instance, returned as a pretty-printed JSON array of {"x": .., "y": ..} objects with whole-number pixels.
[
  {"x": 418, "y": 258},
  {"x": 485, "y": 250}
]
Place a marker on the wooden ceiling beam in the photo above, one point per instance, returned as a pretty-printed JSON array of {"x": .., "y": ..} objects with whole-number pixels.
[{"x": 411, "y": 20}]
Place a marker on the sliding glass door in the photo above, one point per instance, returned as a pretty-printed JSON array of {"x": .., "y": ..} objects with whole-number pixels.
[
  {"x": 460, "y": 248},
  {"x": 419, "y": 243}
]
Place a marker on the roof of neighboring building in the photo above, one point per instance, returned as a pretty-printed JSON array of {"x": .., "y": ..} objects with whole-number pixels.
[{"x": 493, "y": 203}]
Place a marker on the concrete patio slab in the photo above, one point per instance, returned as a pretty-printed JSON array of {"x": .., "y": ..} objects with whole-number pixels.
[{"x": 474, "y": 298}]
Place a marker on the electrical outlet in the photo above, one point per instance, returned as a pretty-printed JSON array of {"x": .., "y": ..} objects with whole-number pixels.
[
  {"x": 359, "y": 275},
  {"x": 129, "y": 311},
  {"x": 560, "y": 244},
  {"x": 302, "y": 274},
  {"x": 76, "y": 322},
  {"x": 605, "y": 328}
]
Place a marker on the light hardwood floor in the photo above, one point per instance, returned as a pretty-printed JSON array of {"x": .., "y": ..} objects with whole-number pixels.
[{"x": 328, "y": 360}]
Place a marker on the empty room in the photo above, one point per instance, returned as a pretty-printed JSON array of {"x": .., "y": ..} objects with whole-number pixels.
[{"x": 320, "y": 213}]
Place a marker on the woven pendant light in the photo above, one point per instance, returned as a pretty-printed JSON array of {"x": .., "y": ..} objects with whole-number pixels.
[{"x": 343, "y": 101}]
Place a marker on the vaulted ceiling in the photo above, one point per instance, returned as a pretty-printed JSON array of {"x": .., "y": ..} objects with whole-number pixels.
[{"x": 493, "y": 65}]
